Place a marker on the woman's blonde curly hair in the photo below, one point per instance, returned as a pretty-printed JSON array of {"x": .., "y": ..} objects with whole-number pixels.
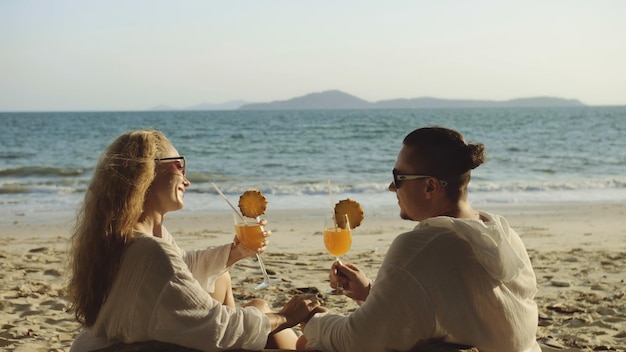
[{"x": 104, "y": 226}]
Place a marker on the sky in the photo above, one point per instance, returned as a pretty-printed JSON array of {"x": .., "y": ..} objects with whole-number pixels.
[{"x": 116, "y": 55}]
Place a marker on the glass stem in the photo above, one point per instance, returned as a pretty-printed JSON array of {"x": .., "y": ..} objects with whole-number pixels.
[
  {"x": 265, "y": 276},
  {"x": 258, "y": 257},
  {"x": 339, "y": 286}
]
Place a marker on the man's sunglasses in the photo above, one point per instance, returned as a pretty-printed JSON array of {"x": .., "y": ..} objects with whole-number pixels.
[{"x": 397, "y": 178}]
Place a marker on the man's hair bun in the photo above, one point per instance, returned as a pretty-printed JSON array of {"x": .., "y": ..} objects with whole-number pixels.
[{"x": 476, "y": 155}]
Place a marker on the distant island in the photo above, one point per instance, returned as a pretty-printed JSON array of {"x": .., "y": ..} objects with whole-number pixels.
[
  {"x": 338, "y": 100},
  {"x": 335, "y": 99}
]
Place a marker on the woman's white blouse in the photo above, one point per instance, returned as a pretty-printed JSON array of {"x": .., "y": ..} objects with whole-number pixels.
[{"x": 162, "y": 293}]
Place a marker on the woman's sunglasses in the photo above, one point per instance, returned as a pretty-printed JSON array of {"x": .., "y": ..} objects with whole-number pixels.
[{"x": 183, "y": 163}]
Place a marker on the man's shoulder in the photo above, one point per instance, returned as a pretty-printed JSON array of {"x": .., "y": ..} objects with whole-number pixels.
[
  {"x": 426, "y": 238},
  {"x": 425, "y": 233}
]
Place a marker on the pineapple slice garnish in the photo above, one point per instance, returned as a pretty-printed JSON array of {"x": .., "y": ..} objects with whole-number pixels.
[
  {"x": 354, "y": 211},
  {"x": 252, "y": 204}
]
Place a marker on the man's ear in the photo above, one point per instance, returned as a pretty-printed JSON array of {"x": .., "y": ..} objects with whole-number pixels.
[{"x": 430, "y": 186}]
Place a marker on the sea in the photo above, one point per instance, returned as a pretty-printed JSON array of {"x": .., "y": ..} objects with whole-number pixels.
[{"x": 535, "y": 155}]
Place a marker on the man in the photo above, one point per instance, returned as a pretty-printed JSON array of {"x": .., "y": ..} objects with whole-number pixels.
[{"x": 461, "y": 276}]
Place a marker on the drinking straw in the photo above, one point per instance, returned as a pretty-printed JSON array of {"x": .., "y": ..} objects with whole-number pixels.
[
  {"x": 227, "y": 201},
  {"x": 330, "y": 193},
  {"x": 332, "y": 204}
]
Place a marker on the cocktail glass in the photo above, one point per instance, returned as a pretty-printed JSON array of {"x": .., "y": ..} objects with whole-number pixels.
[
  {"x": 250, "y": 234},
  {"x": 337, "y": 241}
]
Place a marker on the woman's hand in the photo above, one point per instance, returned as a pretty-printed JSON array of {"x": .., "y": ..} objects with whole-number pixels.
[
  {"x": 352, "y": 279},
  {"x": 299, "y": 309}
]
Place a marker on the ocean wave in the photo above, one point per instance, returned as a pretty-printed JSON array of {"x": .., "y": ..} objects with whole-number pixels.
[
  {"x": 297, "y": 189},
  {"x": 13, "y": 190},
  {"x": 58, "y": 187},
  {"x": 317, "y": 188},
  {"x": 230, "y": 186},
  {"x": 6, "y": 155},
  {"x": 40, "y": 171},
  {"x": 561, "y": 185}
]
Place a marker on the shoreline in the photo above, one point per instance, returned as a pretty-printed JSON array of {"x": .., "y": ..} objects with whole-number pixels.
[
  {"x": 578, "y": 251},
  {"x": 561, "y": 226}
]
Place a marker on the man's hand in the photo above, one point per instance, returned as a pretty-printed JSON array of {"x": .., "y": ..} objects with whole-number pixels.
[{"x": 351, "y": 278}]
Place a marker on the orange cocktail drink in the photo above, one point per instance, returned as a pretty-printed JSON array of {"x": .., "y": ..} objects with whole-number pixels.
[
  {"x": 337, "y": 241},
  {"x": 250, "y": 235}
]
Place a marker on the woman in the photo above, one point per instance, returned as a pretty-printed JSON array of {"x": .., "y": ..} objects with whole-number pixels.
[
  {"x": 130, "y": 281},
  {"x": 461, "y": 276}
]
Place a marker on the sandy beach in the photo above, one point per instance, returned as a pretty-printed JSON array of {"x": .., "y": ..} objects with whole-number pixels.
[{"x": 578, "y": 252}]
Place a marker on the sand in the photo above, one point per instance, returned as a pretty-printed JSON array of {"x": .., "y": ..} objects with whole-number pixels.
[{"x": 578, "y": 252}]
